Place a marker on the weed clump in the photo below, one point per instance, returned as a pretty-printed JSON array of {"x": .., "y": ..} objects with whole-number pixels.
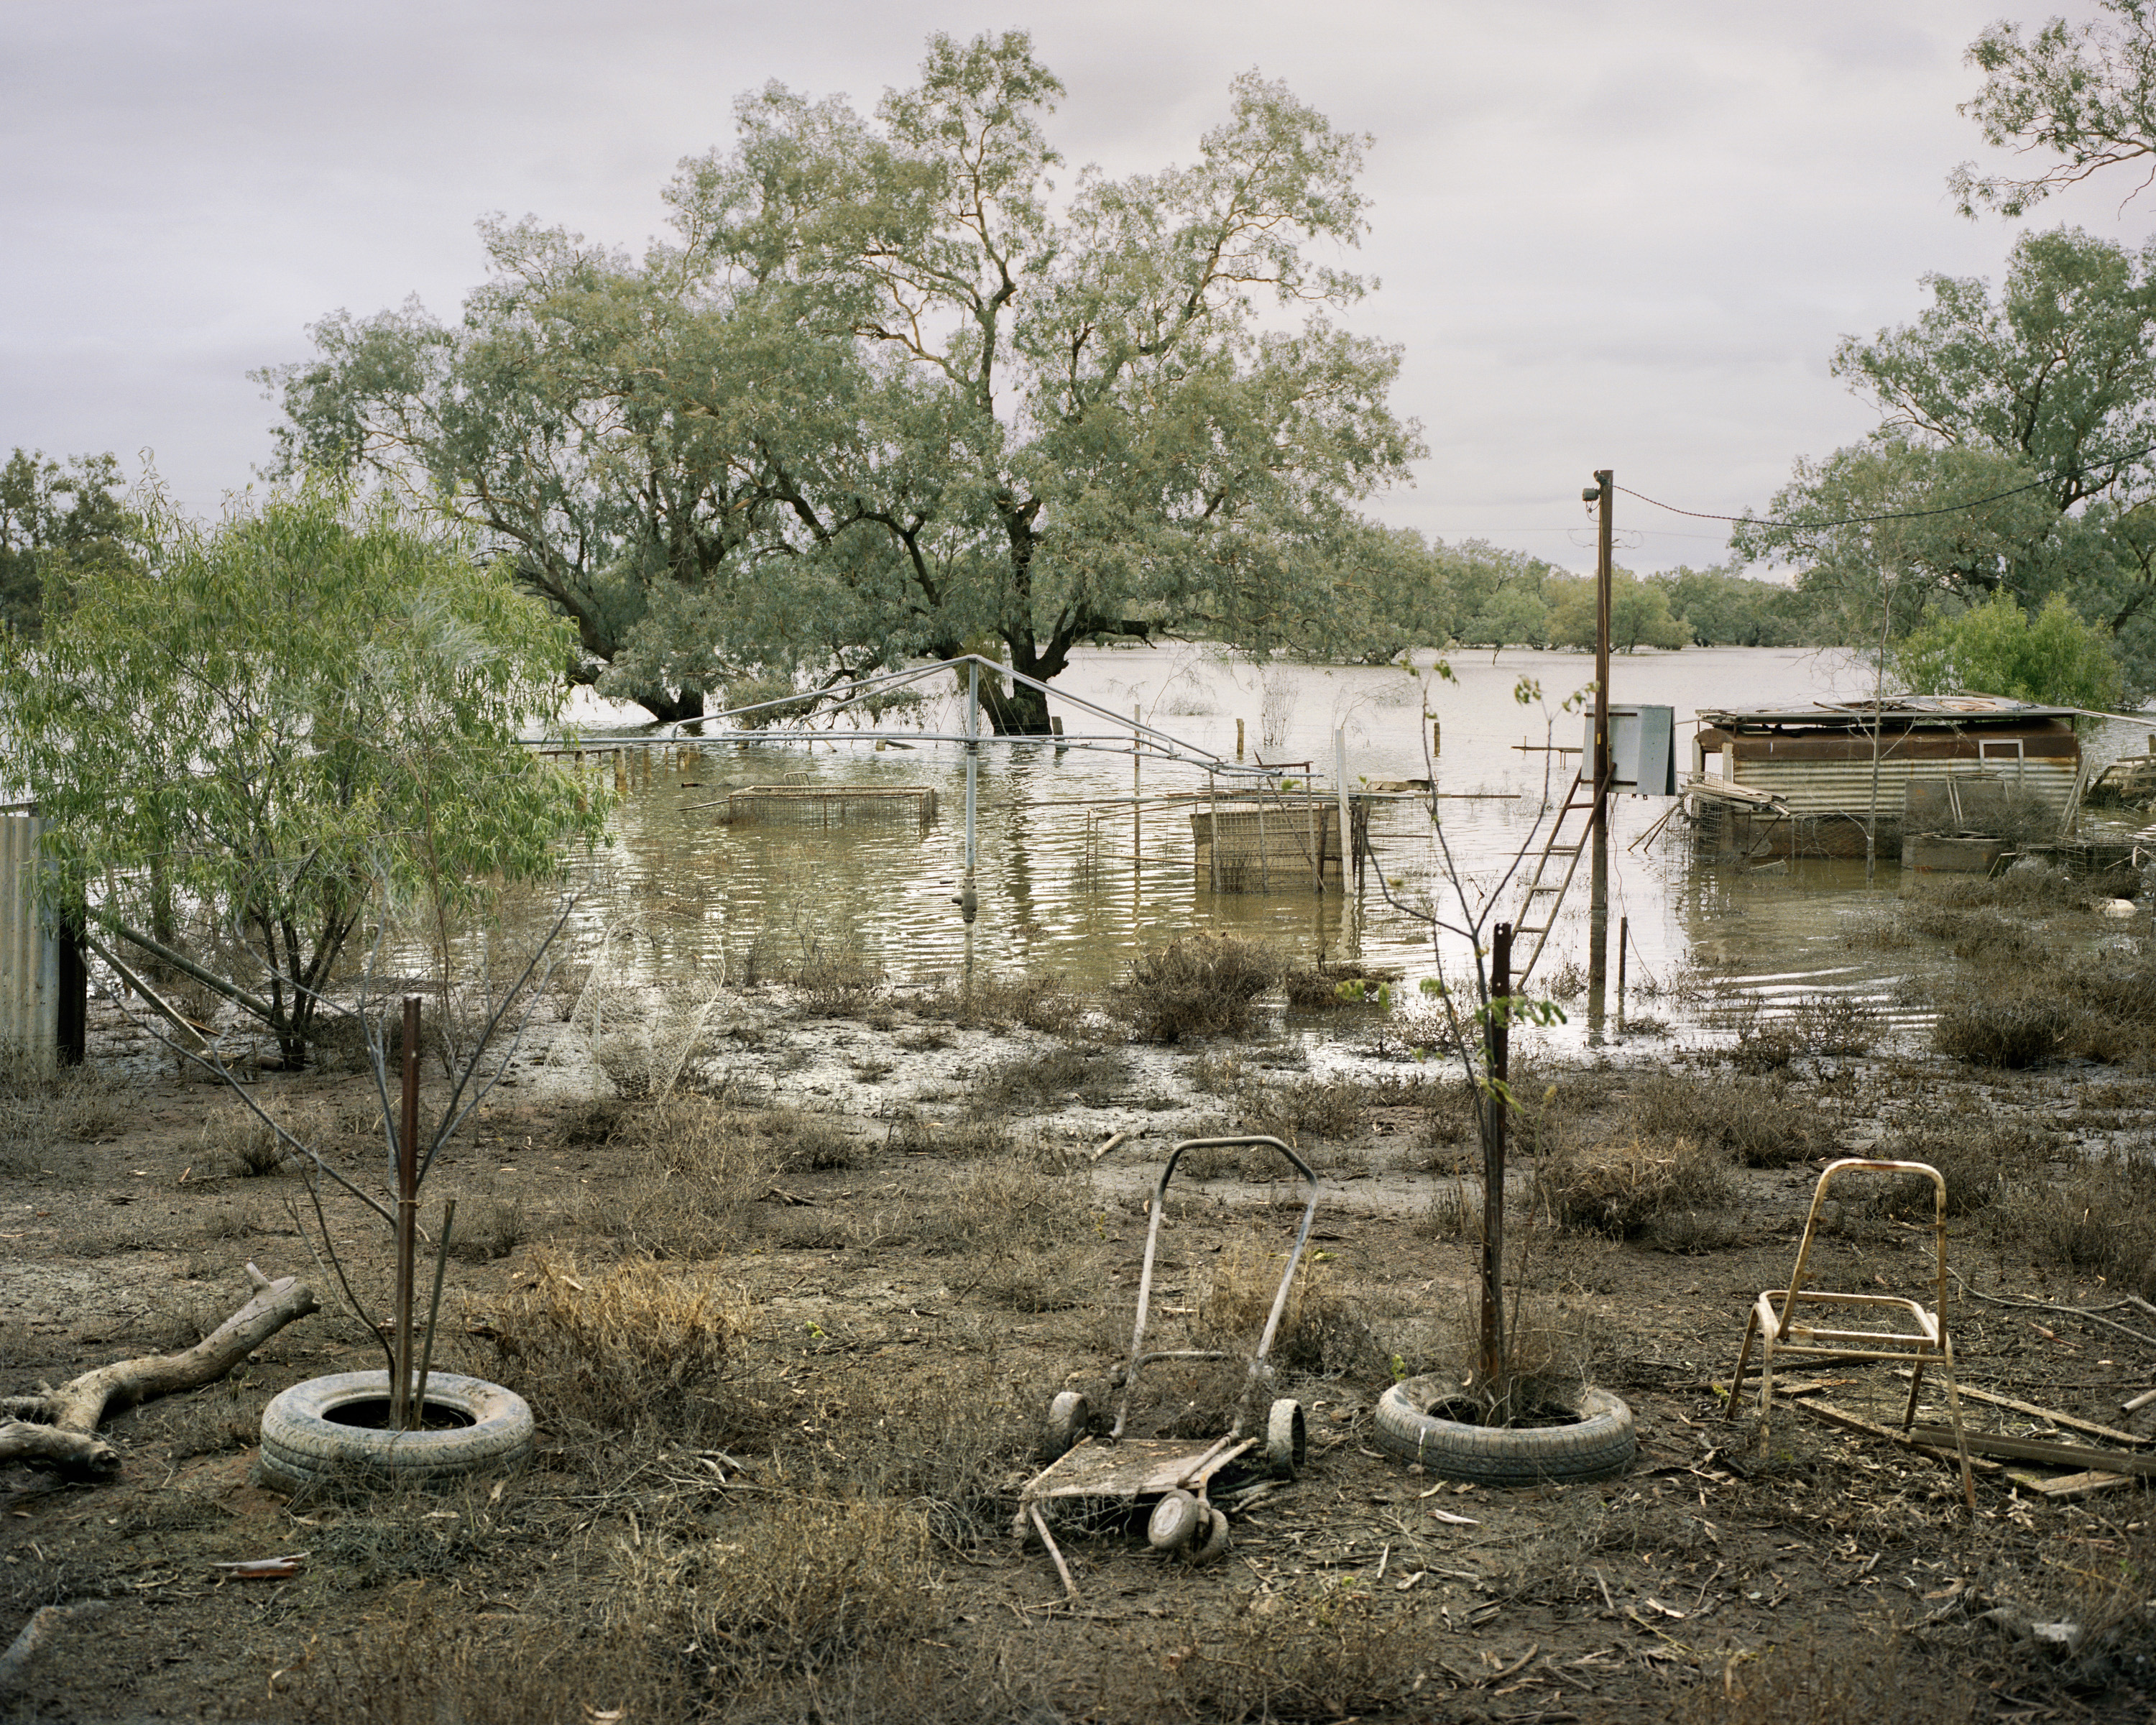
[
  {"x": 1757, "y": 1122},
  {"x": 2009, "y": 1028},
  {"x": 2098, "y": 1219},
  {"x": 795, "y": 1586},
  {"x": 1618, "y": 1189},
  {"x": 636, "y": 1344},
  {"x": 692, "y": 1169},
  {"x": 990, "y": 1002},
  {"x": 1320, "y": 1330},
  {"x": 1202, "y": 985}
]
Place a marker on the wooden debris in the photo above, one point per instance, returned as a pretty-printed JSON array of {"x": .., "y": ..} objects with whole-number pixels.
[
  {"x": 2065, "y": 1420},
  {"x": 59, "y": 1428},
  {"x": 2069, "y": 1485},
  {"x": 2018, "y": 1449},
  {"x": 1924, "y": 1442},
  {"x": 36, "y": 1633}
]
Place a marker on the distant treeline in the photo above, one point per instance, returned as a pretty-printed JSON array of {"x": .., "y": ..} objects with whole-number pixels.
[{"x": 1400, "y": 591}]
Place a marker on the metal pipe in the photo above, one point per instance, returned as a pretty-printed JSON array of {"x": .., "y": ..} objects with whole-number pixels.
[{"x": 407, "y": 1217}]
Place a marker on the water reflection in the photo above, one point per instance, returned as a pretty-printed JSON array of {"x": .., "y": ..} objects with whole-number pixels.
[{"x": 1074, "y": 879}]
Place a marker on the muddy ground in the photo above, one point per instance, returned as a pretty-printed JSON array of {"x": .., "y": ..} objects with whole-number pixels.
[{"x": 790, "y": 1334}]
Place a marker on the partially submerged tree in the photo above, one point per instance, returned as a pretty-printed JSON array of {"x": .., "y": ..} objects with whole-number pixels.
[
  {"x": 888, "y": 394},
  {"x": 2052, "y": 658},
  {"x": 2017, "y": 452},
  {"x": 278, "y": 719}
]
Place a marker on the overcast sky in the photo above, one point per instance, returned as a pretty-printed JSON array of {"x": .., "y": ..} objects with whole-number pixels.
[{"x": 1610, "y": 234}]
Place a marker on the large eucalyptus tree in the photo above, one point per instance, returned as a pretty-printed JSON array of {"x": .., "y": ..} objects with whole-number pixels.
[{"x": 888, "y": 391}]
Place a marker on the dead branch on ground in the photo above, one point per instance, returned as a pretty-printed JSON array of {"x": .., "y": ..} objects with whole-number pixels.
[{"x": 58, "y": 1427}]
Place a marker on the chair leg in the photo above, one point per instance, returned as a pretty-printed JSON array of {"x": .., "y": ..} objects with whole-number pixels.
[
  {"x": 1953, "y": 1414},
  {"x": 1916, "y": 1383},
  {"x": 1743, "y": 1357}
]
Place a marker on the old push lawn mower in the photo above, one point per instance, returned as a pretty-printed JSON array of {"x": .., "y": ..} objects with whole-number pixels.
[{"x": 1176, "y": 1476}]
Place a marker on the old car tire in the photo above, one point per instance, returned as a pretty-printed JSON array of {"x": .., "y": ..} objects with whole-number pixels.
[
  {"x": 1601, "y": 1441},
  {"x": 1211, "y": 1545},
  {"x": 303, "y": 1441},
  {"x": 1287, "y": 1438},
  {"x": 1175, "y": 1522},
  {"x": 1068, "y": 1416}
]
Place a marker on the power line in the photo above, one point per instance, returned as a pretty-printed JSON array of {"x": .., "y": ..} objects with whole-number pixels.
[{"x": 1901, "y": 515}]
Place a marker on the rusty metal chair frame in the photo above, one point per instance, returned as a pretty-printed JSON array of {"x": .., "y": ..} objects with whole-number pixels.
[{"x": 1924, "y": 1343}]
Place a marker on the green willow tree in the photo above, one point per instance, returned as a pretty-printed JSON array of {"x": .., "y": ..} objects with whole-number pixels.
[
  {"x": 888, "y": 393},
  {"x": 2014, "y": 445},
  {"x": 279, "y": 719}
]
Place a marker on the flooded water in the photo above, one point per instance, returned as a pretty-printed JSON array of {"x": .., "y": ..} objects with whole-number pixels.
[{"x": 1074, "y": 879}]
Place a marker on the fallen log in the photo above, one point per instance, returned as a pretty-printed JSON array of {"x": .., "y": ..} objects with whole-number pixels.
[{"x": 58, "y": 1427}]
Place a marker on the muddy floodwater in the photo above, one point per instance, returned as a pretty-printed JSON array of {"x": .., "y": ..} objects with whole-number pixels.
[{"x": 1075, "y": 879}]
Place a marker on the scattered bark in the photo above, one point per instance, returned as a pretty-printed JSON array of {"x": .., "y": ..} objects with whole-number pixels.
[{"x": 58, "y": 1427}]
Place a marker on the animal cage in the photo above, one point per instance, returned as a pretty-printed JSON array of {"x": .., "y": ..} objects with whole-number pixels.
[{"x": 1266, "y": 844}]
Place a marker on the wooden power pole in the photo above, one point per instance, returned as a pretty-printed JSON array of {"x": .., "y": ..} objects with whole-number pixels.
[{"x": 1597, "y": 914}]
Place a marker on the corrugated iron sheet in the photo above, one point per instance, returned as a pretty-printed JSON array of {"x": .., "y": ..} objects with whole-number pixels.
[
  {"x": 29, "y": 955},
  {"x": 1814, "y": 787}
]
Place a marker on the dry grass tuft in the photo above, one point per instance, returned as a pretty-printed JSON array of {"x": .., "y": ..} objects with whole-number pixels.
[
  {"x": 1845, "y": 1680},
  {"x": 999, "y": 1003},
  {"x": 1202, "y": 985},
  {"x": 424, "y": 1670},
  {"x": 1049, "y": 1077},
  {"x": 1322, "y": 1332},
  {"x": 791, "y": 1586},
  {"x": 1618, "y": 1188},
  {"x": 1328, "y": 1650},
  {"x": 1760, "y": 1122},
  {"x": 2097, "y": 1219},
  {"x": 633, "y": 1345},
  {"x": 690, "y": 1170}
]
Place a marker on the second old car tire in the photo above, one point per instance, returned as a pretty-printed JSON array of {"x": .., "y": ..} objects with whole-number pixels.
[
  {"x": 303, "y": 1441},
  {"x": 1602, "y": 1440}
]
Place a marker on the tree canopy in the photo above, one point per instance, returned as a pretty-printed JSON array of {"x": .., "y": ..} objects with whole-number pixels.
[
  {"x": 2083, "y": 95},
  {"x": 889, "y": 391},
  {"x": 2052, "y": 658},
  {"x": 2014, "y": 454},
  {"x": 54, "y": 520},
  {"x": 277, "y": 718}
]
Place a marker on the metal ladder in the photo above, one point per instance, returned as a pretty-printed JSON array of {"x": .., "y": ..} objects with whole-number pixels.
[{"x": 1546, "y": 887}]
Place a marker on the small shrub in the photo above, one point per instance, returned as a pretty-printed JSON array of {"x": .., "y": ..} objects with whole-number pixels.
[
  {"x": 1619, "y": 1188},
  {"x": 1325, "y": 986},
  {"x": 619, "y": 1347},
  {"x": 1979, "y": 1159},
  {"x": 2098, "y": 1219},
  {"x": 960, "y": 1140},
  {"x": 991, "y": 1002},
  {"x": 691, "y": 1170},
  {"x": 837, "y": 984},
  {"x": 815, "y": 1142},
  {"x": 487, "y": 1227},
  {"x": 1322, "y": 1108},
  {"x": 1759, "y": 1122},
  {"x": 1047, "y": 1079},
  {"x": 1202, "y": 985},
  {"x": 1996, "y": 1026}
]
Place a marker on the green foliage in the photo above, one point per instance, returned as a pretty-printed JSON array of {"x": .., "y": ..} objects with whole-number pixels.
[
  {"x": 1999, "y": 648},
  {"x": 889, "y": 391},
  {"x": 53, "y": 520},
  {"x": 2013, "y": 453},
  {"x": 1722, "y": 607},
  {"x": 2082, "y": 93},
  {"x": 1639, "y": 615},
  {"x": 278, "y": 718}
]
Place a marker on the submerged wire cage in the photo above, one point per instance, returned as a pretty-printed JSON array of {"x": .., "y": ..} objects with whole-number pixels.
[
  {"x": 830, "y": 805},
  {"x": 1266, "y": 844}
]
